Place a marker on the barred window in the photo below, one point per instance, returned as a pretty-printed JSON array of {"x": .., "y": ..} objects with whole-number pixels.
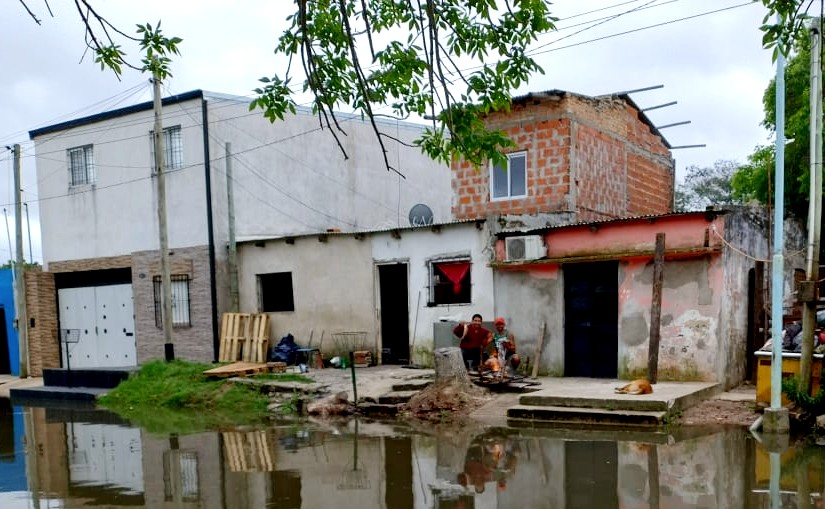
[
  {"x": 172, "y": 147},
  {"x": 180, "y": 301},
  {"x": 450, "y": 282},
  {"x": 81, "y": 165}
]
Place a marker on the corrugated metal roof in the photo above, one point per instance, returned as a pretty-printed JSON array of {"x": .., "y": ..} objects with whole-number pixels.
[
  {"x": 649, "y": 217},
  {"x": 331, "y": 233}
]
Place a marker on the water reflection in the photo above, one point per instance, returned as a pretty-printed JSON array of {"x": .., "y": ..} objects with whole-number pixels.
[{"x": 67, "y": 458}]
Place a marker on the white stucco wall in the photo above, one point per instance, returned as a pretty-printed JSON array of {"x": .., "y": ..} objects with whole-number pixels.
[
  {"x": 288, "y": 177},
  {"x": 118, "y": 214},
  {"x": 335, "y": 283}
]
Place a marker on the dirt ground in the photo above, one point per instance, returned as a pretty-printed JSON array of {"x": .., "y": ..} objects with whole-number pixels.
[{"x": 720, "y": 412}]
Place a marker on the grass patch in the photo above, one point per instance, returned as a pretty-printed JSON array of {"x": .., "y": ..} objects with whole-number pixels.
[{"x": 175, "y": 397}]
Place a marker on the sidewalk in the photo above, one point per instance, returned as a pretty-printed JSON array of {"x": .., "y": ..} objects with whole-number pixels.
[{"x": 8, "y": 382}]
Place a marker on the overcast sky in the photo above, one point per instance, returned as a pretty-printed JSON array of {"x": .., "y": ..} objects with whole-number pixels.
[{"x": 712, "y": 65}]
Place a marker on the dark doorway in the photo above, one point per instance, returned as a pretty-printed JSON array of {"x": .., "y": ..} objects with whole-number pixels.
[
  {"x": 756, "y": 317},
  {"x": 591, "y": 315},
  {"x": 395, "y": 321},
  {"x": 5, "y": 361},
  {"x": 591, "y": 474}
]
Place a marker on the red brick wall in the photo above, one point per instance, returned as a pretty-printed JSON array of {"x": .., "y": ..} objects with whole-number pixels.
[{"x": 612, "y": 158}]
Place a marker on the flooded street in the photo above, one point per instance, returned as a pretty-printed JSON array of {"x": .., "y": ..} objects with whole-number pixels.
[{"x": 58, "y": 458}]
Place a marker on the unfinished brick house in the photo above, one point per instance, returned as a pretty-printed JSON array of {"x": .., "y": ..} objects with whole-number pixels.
[{"x": 578, "y": 159}]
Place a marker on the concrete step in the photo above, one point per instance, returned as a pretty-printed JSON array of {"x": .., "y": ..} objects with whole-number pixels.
[
  {"x": 377, "y": 410},
  {"x": 104, "y": 378},
  {"x": 577, "y": 415},
  {"x": 643, "y": 403},
  {"x": 31, "y": 395},
  {"x": 396, "y": 397},
  {"x": 412, "y": 385}
]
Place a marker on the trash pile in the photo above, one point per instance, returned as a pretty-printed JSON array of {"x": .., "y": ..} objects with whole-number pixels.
[{"x": 792, "y": 336}]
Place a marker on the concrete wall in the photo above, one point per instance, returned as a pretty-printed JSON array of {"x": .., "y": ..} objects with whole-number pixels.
[
  {"x": 118, "y": 213},
  {"x": 704, "y": 298},
  {"x": 336, "y": 286},
  {"x": 291, "y": 177}
]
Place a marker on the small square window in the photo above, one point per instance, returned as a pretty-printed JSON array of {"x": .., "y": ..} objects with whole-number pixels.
[
  {"x": 180, "y": 301},
  {"x": 81, "y": 165},
  {"x": 509, "y": 182},
  {"x": 172, "y": 147},
  {"x": 450, "y": 282},
  {"x": 275, "y": 292}
]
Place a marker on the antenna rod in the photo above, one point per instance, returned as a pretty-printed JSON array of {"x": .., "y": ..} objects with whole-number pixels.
[{"x": 689, "y": 146}]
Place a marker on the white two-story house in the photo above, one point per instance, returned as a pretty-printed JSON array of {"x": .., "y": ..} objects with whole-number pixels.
[{"x": 99, "y": 213}]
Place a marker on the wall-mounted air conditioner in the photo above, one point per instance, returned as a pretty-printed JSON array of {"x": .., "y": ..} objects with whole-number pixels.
[{"x": 525, "y": 247}]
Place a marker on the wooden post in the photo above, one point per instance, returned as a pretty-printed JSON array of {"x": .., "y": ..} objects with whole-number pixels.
[
  {"x": 656, "y": 309},
  {"x": 539, "y": 345}
]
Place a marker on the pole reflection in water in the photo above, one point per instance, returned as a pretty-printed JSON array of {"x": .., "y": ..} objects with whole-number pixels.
[{"x": 95, "y": 460}]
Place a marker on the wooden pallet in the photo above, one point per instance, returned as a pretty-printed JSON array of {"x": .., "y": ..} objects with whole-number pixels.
[
  {"x": 237, "y": 369},
  {"x": 248, "y": 451},
  {"x": 244, "y": 336}
]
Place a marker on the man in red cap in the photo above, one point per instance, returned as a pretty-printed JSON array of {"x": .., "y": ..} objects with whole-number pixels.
[{"x": 506, "y": 342}]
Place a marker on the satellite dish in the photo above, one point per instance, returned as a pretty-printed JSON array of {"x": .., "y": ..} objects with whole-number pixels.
[{"x": 421, "y": 215}]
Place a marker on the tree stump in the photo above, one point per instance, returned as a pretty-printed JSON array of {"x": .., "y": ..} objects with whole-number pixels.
[{"x": 449, "y": 367}]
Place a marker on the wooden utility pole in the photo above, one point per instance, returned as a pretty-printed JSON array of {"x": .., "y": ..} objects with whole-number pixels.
[
  {"x": 20, "y": 271},
  {"x": 165, "y": 273},
  {"x": 809, "y": 293},
  {"x": 656, "y": 309},
  {"x": 234, "y": 294}
]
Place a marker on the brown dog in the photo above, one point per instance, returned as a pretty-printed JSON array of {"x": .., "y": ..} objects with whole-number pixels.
[{"x": 640, "y": 386}]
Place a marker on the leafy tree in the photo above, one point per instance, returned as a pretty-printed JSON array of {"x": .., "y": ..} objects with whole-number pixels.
[
  {"x": 459, "y": 60},
  {"x": 755, "y": 179},
  {"x": 101, "y": 38},
  {"x": 705, "y": 186}
]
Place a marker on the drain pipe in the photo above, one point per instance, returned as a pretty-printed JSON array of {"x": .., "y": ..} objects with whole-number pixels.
[{"x": 213, "y": 291}]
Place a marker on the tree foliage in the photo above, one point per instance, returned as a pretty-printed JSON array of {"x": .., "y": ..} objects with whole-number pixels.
[
  {"x": 102, "y": 39},
  {"x": 755, "y": 179},
  {"x": 704, "y": 186},
  {"x": 457, "y": 61}
]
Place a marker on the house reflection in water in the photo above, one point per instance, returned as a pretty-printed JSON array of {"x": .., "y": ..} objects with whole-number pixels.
[{"x": 95, "y": 460}]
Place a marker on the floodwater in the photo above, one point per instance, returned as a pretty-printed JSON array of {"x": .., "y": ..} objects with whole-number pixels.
[{"x": 59, "y": 458}]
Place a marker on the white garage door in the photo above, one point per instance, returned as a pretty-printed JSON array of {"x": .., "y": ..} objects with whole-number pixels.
[{"x": 101, "y": 326}]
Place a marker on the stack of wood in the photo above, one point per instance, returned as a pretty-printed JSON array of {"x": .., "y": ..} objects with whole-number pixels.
[{"x": 244, "y": 337}]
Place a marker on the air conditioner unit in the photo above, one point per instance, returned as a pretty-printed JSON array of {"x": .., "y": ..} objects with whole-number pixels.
[{"x": 526, "y": 247}]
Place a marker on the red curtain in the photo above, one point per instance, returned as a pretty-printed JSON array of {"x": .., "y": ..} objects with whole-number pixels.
[{"x": 455, "y": 272}]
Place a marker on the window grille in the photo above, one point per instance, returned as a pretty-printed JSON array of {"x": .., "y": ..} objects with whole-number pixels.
[
  {"x": 180, "y": 301},
  {"x": 172, "y": 147},
  {"x": 81, "y": 165},
  {"x": 450, "y": 282}
]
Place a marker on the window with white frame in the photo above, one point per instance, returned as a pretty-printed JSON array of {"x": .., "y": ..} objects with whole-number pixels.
[
  {"x": 450, "y": 281},
  {"x": 172, "y": 147},
  {"x": 81, "y": 165},
  {"x": 180, "y": 301},
  {"x": 510, "y": 181}
]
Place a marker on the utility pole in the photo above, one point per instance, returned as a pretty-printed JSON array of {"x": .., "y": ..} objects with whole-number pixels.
[
  {"x": 165, "y": 273},
  {"x": 29, "y": 230},
  {"x": 808, "y": 292},
  {"x": 20, "y": 272},
  {"x": 234, "y": 296}
]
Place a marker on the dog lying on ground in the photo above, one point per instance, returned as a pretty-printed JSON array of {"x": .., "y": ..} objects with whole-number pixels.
[{"x": 640, "y": 386}]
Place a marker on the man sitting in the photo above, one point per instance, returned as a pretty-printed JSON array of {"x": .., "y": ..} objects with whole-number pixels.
[
  {"x": 473, "y": 337},
  {"x": 505, "y": 344}
]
